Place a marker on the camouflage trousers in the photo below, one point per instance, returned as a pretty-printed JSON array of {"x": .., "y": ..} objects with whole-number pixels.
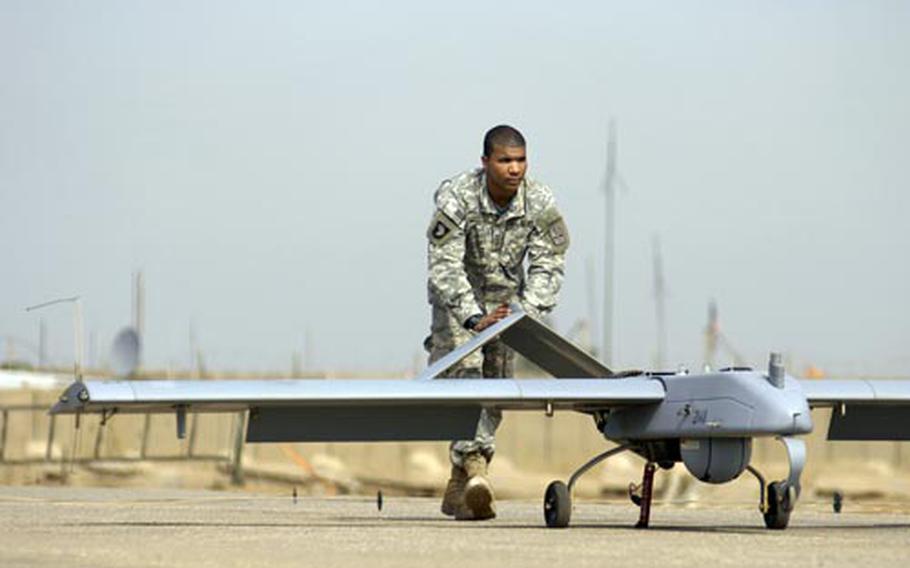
[{"x": 493, "y": 361}]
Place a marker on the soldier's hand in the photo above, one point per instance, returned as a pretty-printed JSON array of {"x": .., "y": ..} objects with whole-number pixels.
[{"x": 499, "y": 313}]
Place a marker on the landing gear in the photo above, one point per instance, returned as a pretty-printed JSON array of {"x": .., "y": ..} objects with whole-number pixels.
[
  {"x": 778, "y": 501},
  {"x": 647, "y": 490},
  {"x": 557, "y": 502},
  {"x": 777, "y": 513},
  {"x": 557, "y": 505}
]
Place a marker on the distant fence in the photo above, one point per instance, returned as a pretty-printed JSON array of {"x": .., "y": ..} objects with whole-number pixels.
[{"x": 232, "y": 454}]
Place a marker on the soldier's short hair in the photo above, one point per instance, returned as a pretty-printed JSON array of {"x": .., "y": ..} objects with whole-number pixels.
[{"x": 502, "y": 135}]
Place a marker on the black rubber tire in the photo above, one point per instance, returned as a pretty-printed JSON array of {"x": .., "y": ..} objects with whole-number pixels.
[
  {"x": 557, "y": 505},
  {"x": 777, "y": 517}
]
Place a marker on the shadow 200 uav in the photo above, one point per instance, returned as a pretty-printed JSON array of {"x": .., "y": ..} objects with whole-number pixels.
[{"x": 706, "y": 421}]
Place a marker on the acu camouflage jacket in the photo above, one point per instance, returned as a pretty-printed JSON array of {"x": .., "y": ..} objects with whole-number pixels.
[{"x": 477, "y": 250}]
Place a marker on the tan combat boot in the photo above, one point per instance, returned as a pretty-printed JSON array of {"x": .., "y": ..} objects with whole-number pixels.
[
  {"x": 478, "y": 503},
  {"x": 454, "y": 494}
]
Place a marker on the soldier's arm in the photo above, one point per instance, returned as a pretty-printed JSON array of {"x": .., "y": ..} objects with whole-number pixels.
[
  {"x": 447, "y": 277},
  {"x": 547, "y": 248}
]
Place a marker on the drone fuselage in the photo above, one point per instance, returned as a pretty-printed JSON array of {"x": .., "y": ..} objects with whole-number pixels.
[
  {"x": 734, "y": 404},
  {"x": 708, "y": 421}
]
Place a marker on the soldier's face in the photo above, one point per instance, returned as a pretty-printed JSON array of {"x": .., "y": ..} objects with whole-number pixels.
[{"x": 506, "y": 167}]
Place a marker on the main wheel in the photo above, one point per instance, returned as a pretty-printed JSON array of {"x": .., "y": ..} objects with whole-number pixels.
[
  {"x": 557, "y": 505},
  {"x": 777, "y": 516}
]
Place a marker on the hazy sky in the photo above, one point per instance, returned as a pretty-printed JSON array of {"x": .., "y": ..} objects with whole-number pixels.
[{"x": 270, "y": 166}]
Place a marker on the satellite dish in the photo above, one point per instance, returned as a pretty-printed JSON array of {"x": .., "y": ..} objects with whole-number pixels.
[{"x": 125, "y": 352}]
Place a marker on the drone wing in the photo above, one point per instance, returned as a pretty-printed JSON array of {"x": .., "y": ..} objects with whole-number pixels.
[
  {"x": 536, "y": 342},
  {"x": 284, "y": 410},
  {"x": 372, "y": 410},
  {"x": 863, "y": 409}
]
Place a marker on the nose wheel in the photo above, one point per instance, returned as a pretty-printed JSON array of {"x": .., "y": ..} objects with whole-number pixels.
[{"x": 779, "y": 497}]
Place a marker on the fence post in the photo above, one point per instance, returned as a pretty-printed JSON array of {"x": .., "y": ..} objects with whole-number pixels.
[
  {"x": 51, "y": 427},
  {"x": 3, "y": 432},
  {"x": 146, "y": 425},
  {"x": 239, "y": 430},
  {"x": 191, "y": 443}
]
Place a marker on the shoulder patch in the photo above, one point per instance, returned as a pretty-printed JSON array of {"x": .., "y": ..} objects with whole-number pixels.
[
  {"x": 558, "y": 234},
  {"x": 552, "y": 226},
  {"x": 441, "y": 228}
]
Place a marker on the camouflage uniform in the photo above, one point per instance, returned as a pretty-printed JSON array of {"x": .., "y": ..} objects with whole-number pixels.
[{"x": 476, "y": 262}]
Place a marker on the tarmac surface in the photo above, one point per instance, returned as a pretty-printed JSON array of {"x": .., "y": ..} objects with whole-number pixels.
[{"x": 62, "y": 526}]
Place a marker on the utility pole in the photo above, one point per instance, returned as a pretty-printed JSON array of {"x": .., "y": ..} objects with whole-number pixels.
[
  {"x": 42, "y": 343},
  {"x": 197, "y": 357},
  {"x": 10, "y": 348},
  {"x": 715, "y": 339},
  {"x": 607, "y": 354},
  {"x": 660, "y": 305},
  {"x": 308, "y": 363},
  {"x": 78, "y": 330},
  {"x": 712, "y": 330},
  {"x": 139, "y": 311},
  {"x": 296, "y": 364},
  {"x": 92, "y": 350},
  {"x": 592, "y": 306}
]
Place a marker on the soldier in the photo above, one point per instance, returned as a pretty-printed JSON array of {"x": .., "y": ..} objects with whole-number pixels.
[{"x": 486, "y": 223}]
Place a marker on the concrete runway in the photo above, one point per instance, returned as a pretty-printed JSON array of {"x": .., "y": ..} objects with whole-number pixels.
[{"x": 48, "y": 526}]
